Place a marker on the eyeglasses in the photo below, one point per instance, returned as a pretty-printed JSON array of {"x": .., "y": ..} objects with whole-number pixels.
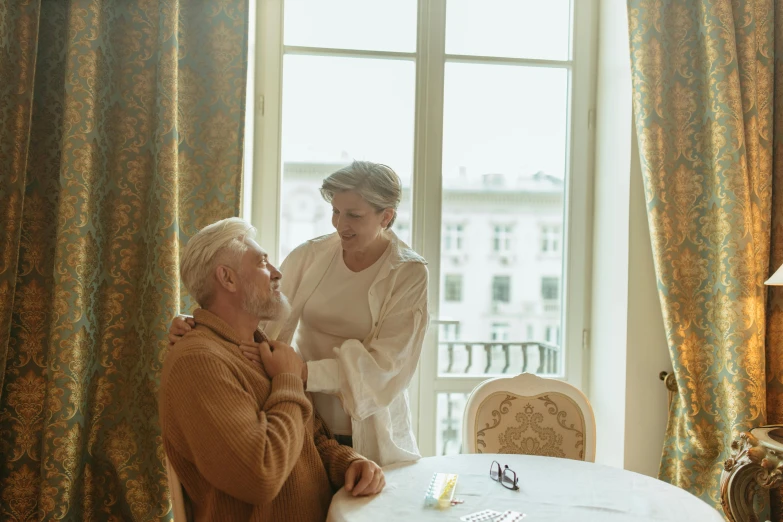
[{"x": 505, "y": 475}]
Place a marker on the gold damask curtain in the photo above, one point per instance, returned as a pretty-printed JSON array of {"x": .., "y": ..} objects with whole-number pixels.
[
  {"x": 121, "y": 126},
  {"x": 708, "y": 101}
]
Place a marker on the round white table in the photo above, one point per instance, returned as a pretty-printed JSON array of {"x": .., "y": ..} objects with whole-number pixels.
[{"x": 551, "y": 489}]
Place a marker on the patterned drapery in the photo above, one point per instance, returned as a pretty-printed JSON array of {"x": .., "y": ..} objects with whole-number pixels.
[
  {"x": 121, "y": 127},
  {"x": 707, "y": 80}
]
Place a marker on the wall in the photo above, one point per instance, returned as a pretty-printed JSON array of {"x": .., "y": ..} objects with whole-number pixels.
[
  {"x": 608, "y": 331},
  {"x": 628, "y": 345},
  {"x": 646, "y": 399}
]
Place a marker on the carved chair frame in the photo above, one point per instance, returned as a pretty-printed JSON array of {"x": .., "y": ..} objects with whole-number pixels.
[{"x": 526, "y": 385}]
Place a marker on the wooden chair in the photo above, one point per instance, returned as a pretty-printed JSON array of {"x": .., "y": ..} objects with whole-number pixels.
[
  {"x": 529, "y": 415},
  {"x": 178, "y": 503}
]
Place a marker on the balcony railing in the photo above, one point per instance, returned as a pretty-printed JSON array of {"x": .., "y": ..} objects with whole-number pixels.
[
  {"x": 484, "y": 358},
  {"x": 516, "y": 357}
]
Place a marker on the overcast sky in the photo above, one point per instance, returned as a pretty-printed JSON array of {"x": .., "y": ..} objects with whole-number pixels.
[{"x": 508, "y": 119}]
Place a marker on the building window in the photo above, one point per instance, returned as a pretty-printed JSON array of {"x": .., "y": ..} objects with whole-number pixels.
[
  {"x": 453, "y": 287},
  {"x": 403, "y": 231},
  {"x": 501, "y": 239},
  {"x": 501, "y": 289},
  {"x": 552, "y": 334},
  {"x": 449, "y": 332},
  {"x": 499, "y": 332},
  {"x": 550, "y": 239},
  {"x": 550, "y": 288},
  {"x": 452, "y": 237},
  {"x": 529, "y": 332}
]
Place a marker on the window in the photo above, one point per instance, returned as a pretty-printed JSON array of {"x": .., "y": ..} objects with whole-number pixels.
[
  {"x": 550, "y": 239},
  {"x": 529, "y": 332},
  {"x": 501, "y": 289},
  {"x": 552, "y": 334},
  {"x": 482, "y": 108},
  {"x": 501, "y": 239},
  {"x": 452, "y": 237},
  {"x": 403, "y": 230},
  {"x": 550, "y": 288},
  {"x": 449, "y": 331},
  {"x": 453, "y": 287},
  {"x": 499, "y": 332}
]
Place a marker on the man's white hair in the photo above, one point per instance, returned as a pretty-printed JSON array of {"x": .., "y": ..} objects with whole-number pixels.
[{"x": 222, "y": 242}]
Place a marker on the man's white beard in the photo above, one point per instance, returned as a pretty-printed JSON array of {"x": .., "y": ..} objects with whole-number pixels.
[{"x": 272, "y": 308}]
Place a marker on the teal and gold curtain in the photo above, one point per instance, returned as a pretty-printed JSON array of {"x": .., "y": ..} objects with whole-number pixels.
[
  {"x": 707, "y": 80},
  {"x": 121, "y": 127}
]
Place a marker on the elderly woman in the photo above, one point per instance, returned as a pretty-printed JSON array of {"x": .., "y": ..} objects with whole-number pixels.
[{"x": 358, "y": 315}]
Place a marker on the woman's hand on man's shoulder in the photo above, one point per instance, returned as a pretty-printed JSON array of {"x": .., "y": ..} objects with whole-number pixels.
[{"x": 181, "y": 325}]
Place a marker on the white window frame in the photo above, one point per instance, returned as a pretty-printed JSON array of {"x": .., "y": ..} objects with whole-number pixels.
[
  {"x": 501, "y": 238},
  {"x": 453, "y": 237},
  {"x": 550, "y": 239},
  {"x": 496, "y": 278},
  {"x": 552, "y": 331},
  {"x": 557, "y": 292},
  {"x": 459, "y": 279},
  {"x": 499, "y": 332},
  {"x": 265, "y": 140},
  {"x": 450, "y": 331}
]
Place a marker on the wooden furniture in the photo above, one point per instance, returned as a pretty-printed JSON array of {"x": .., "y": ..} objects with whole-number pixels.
[
  {"x": 529, "y": 415},
  {"x": 178, "y": 507},
  {"x": 755, "y": 465},
  {"x": 550, "y": 490}
]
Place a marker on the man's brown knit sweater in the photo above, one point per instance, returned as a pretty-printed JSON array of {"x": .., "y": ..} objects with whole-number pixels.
[{"x": 245, "y": 448}]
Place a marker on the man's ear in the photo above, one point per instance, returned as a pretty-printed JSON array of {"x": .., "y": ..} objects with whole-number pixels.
[{"x": 226, "y": 278}]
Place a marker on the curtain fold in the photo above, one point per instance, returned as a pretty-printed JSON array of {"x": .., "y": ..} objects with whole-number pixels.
[
  {"x": 121, "y": 135},
  {"x": 707, "y": 102}
]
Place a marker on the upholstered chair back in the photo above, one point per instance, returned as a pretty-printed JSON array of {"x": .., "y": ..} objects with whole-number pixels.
[{"x": 529, "y": 415}]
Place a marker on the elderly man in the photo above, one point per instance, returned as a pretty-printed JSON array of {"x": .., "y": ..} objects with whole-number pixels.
[{"x": 244, "y": 440}]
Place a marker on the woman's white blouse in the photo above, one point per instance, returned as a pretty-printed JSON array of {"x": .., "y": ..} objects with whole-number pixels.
[
  {"x": 370, "y": 375},
  {"x": 337, "y": 311}
]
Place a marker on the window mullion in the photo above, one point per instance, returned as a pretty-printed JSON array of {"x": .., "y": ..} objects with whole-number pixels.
[
  {"x": 265, "y": 215},
  {"x": 426, "y": 211}
]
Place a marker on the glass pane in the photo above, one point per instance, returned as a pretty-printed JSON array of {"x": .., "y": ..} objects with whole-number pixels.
[
  {"x": 504, "y": 165},
  {"x": 509, "y": 28},
  {"x": 347, "y": 114},
  {"x": 450, "y": 408},
  {"x": 376, "y": 25}
]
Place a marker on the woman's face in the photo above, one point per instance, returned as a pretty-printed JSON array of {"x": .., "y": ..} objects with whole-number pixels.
[{"x": 356, "y": 221}]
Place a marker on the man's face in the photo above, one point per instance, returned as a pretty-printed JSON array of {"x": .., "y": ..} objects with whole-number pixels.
[{"x": 260, "y": 284}]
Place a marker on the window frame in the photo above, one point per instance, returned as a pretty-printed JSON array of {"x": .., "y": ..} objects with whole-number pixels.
[
  {"x": 502, "y": 238},
  {"x": 263, "y": 184},
  {"x": 545, "y": 284},
  {"x": 456, "y": 280},
  {"x": 497, "y": 288},
  {"x": 551, "y": 237},
  {"x": 499, "y": 329},
  {"x": 450, "y": 331},
  {"x": 453, "y": 238}
]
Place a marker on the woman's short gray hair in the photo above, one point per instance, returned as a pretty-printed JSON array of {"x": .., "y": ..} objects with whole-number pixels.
[
  {"x": 220, "y": 242},
  {"x": 378, "y": 184}
]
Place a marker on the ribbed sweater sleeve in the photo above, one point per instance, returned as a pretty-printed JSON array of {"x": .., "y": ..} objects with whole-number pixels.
[
  {"x": 336, "y": 458},
  {"x": 240, "y": 450}
]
